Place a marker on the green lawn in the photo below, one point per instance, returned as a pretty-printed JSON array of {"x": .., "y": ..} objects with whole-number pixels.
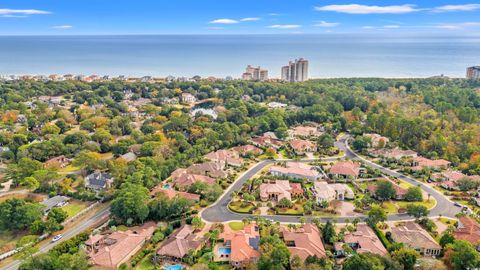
[
  {"x": 405, "y": 185},
  {"x": 297, "y": 209},
  {"x": 72, "y": 208},
  {"x": 429, "y": 204},
  {"x": 237, "y": 207},
  {"x": 236, "y": 225},
  {"x": 69, "y": 169},
  {"x": 146, "y": 263},
  {"x": 389, "y": 207}
]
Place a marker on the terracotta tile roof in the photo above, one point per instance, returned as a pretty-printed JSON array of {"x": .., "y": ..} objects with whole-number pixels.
[
  {"x": 212, "y": 169},
  {"x": 366, "y": 239},
  {"x": 296, "y": 168},
  {"x": 414, "y": 236},
  {"x": 329, "y": 192},
  {"x": 302, "y": 145},
  {"x": 243, "y": 243},
  {"x": 468, "y": 229},
  {"x": 345, "y": 168},
  {"x": 281, "y": 188},
  {"x": 304, "y": 241},
  {"x": 225, "y": 156},
  {"x": 116, "y": 248},
  {"x": 247, "y": 149},
  {"x": 180, "y": 243},
  {"x": 393, "y": 153},
  {"x": 296, "y": 188},
  {"x": 425, "y": 162},
  {"x": 186, "y": 180},
  {"x": 266, "y": 141},
  {"x": 305, "y": 131}
]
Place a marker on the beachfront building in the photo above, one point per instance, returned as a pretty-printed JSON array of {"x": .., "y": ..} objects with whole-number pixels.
[
  {"x": 255, "y": 74},
  {"x": 473, "y": 73},
  {"x": 295, "y": 71}
]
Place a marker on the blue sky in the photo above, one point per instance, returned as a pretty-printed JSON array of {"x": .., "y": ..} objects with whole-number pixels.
[{"x": 59, "y": 17}]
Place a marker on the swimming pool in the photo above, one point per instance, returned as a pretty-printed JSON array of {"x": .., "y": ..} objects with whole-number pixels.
[
  {"x": 224, "y": 250},
  {"x": 173, "y": 267},
  {"x": 167, "y": 186}
]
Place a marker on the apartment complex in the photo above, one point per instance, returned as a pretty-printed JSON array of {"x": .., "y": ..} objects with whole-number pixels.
[
  {"x": 473, "y": 73},
  {"x": 255, "y": 74},
  {"x": 296, "y": 71}
]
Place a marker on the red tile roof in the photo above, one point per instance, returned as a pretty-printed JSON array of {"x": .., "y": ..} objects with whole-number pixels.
[
  {"x": 241, "y": 250},
  {"x": 304, "y": 241},
  {"x": 345, "y": 168},
  {"x": 468, "y": 229}
]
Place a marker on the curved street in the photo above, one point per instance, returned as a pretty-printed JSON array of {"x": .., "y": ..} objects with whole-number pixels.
[{"x": 219, "y": 211}]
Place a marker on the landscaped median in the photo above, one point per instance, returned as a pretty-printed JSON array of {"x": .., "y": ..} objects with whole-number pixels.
[{"x": 241, "y": 207}]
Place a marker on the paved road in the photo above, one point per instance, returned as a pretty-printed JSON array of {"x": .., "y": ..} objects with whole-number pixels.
[
  {"x": 67, "y": 235},
  {"x": 219, "y": 211}
]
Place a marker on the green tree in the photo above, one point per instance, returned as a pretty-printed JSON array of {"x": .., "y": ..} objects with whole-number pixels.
[
  {"x": 414, "y": 194},
  {"x": 328, "y": 232},
  {"x": 376, "y": 215},
  {"x": 385, "y": 190},
  {"x": 461, "y": 255},
  {"x": 57, "y": 214},
  {"x": 17, "y": 214},
  {"x": 417, "y": 210},
  {"x": 406, "y": 257},
  {"x": 130, "y": 203},
  {"x": 363, "y": 261}
]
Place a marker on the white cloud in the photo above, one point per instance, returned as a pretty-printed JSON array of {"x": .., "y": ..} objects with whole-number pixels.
[
  {"x": 66, "y": 26},
  {"x": 285, "y": 26},
  {"x": 224, "y": 21},
  {"x": 326, "y": 24},
  {"x": 449, "y": 8},
  {"x": 391, "y": 26},
  {"x": 368, "y": 27},
  {"x": 250, "y": 19},
  {"x": 364, "y": 9},
  {"x": 6, "y": 12},
  {"x": 457, "y": 26}
]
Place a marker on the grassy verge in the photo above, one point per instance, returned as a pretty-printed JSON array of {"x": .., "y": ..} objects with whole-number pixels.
[{"x": 73, "y": 208}]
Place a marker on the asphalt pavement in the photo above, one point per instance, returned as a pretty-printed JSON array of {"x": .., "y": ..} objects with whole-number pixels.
[{"x": 219, "y": 211}]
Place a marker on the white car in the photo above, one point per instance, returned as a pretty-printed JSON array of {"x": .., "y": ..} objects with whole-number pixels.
[{"x": 56, "y": 238}]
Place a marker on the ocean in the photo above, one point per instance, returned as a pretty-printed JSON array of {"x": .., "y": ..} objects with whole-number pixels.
[{"x": 330, "y": 55}]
